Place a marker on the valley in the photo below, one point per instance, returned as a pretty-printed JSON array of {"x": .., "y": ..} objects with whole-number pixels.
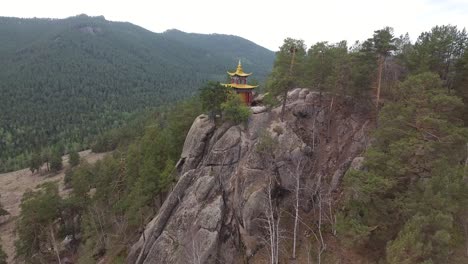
[
  {"x": 64, "y": 82},
  {"x": 325, "y": 152}
]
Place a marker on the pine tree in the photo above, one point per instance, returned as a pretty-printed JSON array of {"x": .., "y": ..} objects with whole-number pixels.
[
  {"x": 461, "y": 82},
  {"x": 384, "y": 42},
  {"x": 212, "y": 95},
  {"x": 56, "y": 161},
  {"x": 39, "y": 211},
  {"x": 288, "y": 69},
  {"x": 74, "y": 158},
  {"x": 35, "y": 162},
  {"x": 413, "y": 184},
  {"x": 235, "y": 110},
  {"x": 3, "y": 211},
  {"x": 438, "y": 51}
]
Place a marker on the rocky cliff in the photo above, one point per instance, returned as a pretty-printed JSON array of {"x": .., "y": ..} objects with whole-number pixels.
[{"x": 228, "y": 177}]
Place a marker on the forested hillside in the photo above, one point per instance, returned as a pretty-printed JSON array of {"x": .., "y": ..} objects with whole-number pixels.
[
  {"x": 64, "y": 81},
  {"x": 407, "y": 201},
  {"x": 403, "y": 202}
]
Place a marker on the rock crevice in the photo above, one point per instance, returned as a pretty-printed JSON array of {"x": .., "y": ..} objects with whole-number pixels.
[{"x": 216, "y": 211}]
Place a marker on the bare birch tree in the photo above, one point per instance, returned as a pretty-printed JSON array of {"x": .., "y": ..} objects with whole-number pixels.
[
  {"x": 273, "y": 224},
  {"x": 297, "y": 189},
  {"x": 54, "y": 243}
]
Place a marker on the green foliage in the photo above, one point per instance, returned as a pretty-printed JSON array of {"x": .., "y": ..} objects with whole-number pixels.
[
  {"x": 39, "y": 210},
  {"x": 123, "y": 135},
  {"x": 212, "y": 96},
  {"x": 56, "y": 161},
  {"x": 3, "y": 211},
  {"x": 46, "y": 154},
  {"x": 35, "y": 162},
  {"x": 146, "y": 190},
  {"x": 267, "y": 144},
  {"x": 437, "y": 51},
  {"x": 74, "y": 158},
  {"x": 461, "y": 81},
  {"x": 430, "y": 232},
  {"x": 383, "y": 41},
  {"x": 3, "y": 256},
  {"x": 362, "y": 65},
  {"x": 235, "y": 110},
  {"x": 403, "y": 206},
  {"x": 326, "y": 68},
  {"x": 65, "y": 81},
  {"x": 121, "y": 192},
  {"x": 413, "y": 184},
  {"x": 352, "y": 232},
  {"x": 282, "y": 78},
  {"x": 81, "y": 178},
  {"x": 270, "y": 100},
  {"x": 325, "y": 64}
]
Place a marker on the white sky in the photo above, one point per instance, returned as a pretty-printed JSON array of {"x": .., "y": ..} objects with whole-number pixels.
[{"x": 267, "y": 23}]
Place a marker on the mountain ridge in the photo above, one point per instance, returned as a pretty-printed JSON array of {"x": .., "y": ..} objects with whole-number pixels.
[{"x": 64, "y": 81}]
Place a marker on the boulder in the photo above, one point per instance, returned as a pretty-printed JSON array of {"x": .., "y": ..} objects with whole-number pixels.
[
  {"x": 293, "y": 95},
  {"x": 195, "y": 142},
  {"x": 258, "y": 109},
  {"x": 357, "y": 163}
]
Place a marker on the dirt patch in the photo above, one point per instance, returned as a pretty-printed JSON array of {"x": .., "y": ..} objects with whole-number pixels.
[{"x": 14, "y": 184}]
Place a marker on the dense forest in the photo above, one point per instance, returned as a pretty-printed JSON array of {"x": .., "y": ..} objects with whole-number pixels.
[
  {"x": 65, "y": 81},
  {"x": 408, "y": 204}
]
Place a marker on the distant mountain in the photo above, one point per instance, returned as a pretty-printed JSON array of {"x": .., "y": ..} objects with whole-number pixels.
[
  {"x": 225, "y": 47},
  {"x": 65, "y": 80}
]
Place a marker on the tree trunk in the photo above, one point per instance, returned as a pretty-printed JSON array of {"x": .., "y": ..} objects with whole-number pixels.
[
  {"x": 278, "y": 218},
  {"x": 313, "y": 128},
  {"x": 271, "y": 224},
  {"x": 329, "y": 119},
  {"x": 379, "y": 80},
  {"x": 285, "y": 96},
  {"x": 287, "y": 88},
  {"x": 296, "y": 217},
  {"x": 322, "y": 243},
  {"x": 54, "y": 244}
]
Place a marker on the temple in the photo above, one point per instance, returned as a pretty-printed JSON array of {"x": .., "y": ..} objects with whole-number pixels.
[{"x": 239, "y": 84}]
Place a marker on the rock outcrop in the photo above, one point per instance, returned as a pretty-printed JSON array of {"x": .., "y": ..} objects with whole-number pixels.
[{"x": 215, "y": 213}]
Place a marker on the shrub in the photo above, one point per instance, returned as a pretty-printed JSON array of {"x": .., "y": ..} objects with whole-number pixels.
[
  {"x": 266, "y": 143},
  {"x": 74, "y": 158},
  {"x": 3, "y": 256},
  {"x": 278, "y": 130},
  {"x": 235, "y": 110}
]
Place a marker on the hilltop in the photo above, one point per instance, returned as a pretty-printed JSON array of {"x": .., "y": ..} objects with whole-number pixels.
[
  {"x": 365, "y": 162},
  {"x": 64, "y": 81}
]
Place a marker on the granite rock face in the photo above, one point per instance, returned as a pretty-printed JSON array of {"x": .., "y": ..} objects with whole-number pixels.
[{"x": 215, "y": 213}]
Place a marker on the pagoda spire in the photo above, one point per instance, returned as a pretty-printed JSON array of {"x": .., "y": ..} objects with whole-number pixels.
[
  {"x": 239, "y": 71},
  {"x": 239, "y": 84}
]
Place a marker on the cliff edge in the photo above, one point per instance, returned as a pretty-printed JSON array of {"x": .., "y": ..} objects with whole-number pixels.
[{"x": 229, "y": 176}]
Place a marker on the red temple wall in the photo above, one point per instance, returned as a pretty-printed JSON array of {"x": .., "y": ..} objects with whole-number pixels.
[{"x": 246, "y": 97}]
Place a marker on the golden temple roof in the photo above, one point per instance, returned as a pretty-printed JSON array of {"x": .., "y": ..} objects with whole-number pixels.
[
  {"x": 239, "y": 86},
  {"x": 239, "y": 71}
]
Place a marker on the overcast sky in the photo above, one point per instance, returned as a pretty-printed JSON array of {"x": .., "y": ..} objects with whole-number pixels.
[{"x": 265, "y": 22}]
